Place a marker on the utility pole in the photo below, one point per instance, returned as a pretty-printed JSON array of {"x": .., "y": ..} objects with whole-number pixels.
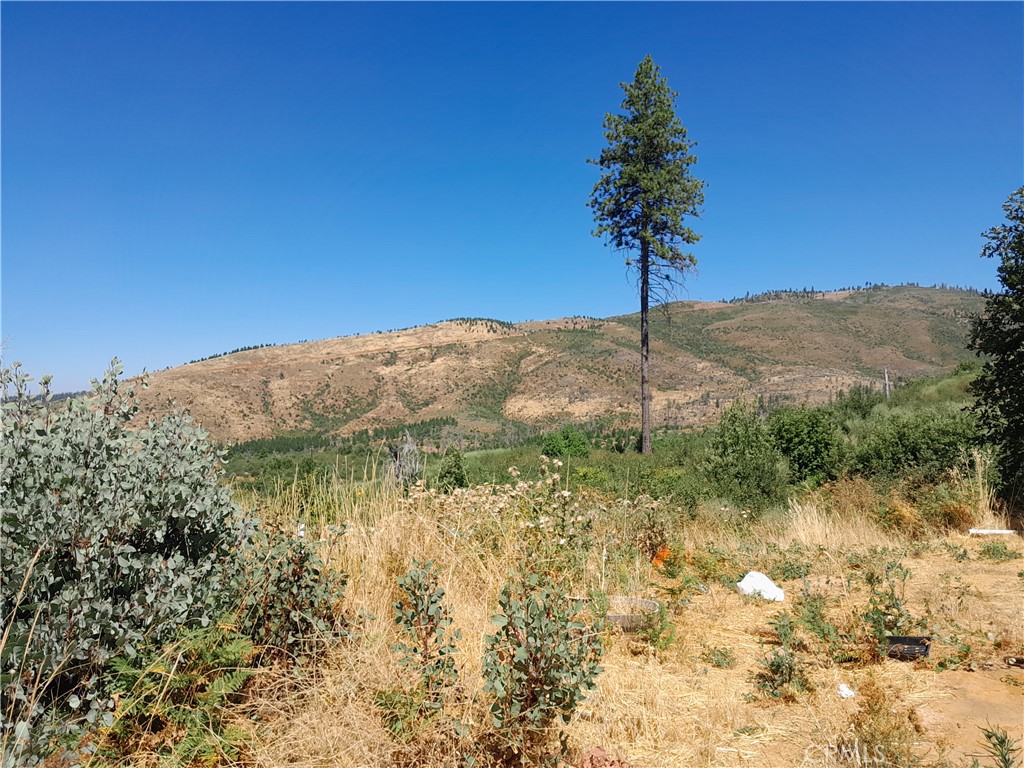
[{"x": 887, "y": 385}]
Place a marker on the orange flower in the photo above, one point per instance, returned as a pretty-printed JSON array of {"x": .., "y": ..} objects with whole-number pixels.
[{"x": 663, "y": 556}]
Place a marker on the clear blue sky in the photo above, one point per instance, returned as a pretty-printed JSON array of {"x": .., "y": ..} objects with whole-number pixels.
[{"x": 180, "y": 179}]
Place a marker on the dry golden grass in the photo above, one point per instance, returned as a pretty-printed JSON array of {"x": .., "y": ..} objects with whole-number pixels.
[
  {"x": 809, "y": 525},
  {"x": 666, "y": 707}
]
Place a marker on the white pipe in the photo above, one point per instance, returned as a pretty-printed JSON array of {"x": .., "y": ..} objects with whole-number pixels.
[{"x": 990, "y": 532}]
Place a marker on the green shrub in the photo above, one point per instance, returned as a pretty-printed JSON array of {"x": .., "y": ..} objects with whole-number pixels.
[
  {"x": 794, "y": 562},
  {"x": 538, "y": 665},
  {"x": 109, "y": 537},
  {"x": 745, "y": 466},
  {"x": 782, "y": 675},
  {"x": 924, "y": 442},
  {"x": 886, "y": 613},
  {"x": 811, "y": 441},
  {"x": 998, "y": 551},
  {"x": 857, "y": 403},
  {"x": 429, "y": 643},
  {"x": 452, "y": 472},
  {"x": 723, "y": 658},
  {"x": 428, "y": 650},
  {"x": 568, "y": 441},
  {"x": 657, "y": 630},
  {"x": 810, "y": 613},
  {"x": 288, "y": 602},
  {"x": 712, "y": 563},
  {"x": 684, "y": 486},
  {"x": 592, "y": 477}
]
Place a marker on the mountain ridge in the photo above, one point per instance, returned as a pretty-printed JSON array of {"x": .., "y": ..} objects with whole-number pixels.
[{"x": 486, "y": 373}]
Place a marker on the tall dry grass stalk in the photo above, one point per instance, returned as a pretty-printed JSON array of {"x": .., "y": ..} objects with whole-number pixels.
[
  {"x": 807, "y": 524},
  {"x": 973, "y": 479}
]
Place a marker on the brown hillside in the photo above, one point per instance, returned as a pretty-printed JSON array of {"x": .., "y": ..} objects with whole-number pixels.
[{"x": 483, "y": 372}]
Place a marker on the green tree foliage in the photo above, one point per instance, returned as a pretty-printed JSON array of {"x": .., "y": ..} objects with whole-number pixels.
[
  {"x": 745, "y": 465},
  {"x": 922, "y": 443},
  {"x": 452, "y": 472},
  {"x": 857, "y": 403},
  {"x": 998, "y": 334},
  {"x": 109, "y": 537},
  {"x": 644, "y": 194},
  {"x": 811, "y": 441},
  {"x": 568, "y": 441}
]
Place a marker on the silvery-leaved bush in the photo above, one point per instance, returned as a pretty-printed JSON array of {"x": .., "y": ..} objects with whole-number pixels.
[{"x": 112, "y": 532}]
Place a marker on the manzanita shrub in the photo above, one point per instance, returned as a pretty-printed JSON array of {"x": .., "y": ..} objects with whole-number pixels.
[
  {"x": 539, "y": 665},
  {"x": 428, "y": 643},
  {"x": 427, "y": 649},
  {"x": 109, "y": 536},
  {"x": 287, "y": 601}
]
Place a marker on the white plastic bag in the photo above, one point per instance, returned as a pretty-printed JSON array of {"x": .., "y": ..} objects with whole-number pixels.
[{"x": 756, "y": 583}]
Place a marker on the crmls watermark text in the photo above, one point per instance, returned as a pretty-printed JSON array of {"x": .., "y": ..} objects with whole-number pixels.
[{"x": 847, "y": 754}]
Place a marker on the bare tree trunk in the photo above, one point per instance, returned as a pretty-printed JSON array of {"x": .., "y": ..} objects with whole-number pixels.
[{"x": 645, "y": 350}]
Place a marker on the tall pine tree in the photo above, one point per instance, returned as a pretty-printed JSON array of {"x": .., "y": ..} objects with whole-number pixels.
[{"x": 644, "y": 195}]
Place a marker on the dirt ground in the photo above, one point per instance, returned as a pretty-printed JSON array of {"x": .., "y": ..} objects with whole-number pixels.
[{"x": 672, "y": 708}]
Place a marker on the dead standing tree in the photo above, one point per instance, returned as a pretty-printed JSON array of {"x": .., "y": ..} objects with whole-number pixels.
[{"x": 406, "y": 463}]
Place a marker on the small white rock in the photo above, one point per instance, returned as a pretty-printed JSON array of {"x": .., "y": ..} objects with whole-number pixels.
[{"x": 845, "y": 691}]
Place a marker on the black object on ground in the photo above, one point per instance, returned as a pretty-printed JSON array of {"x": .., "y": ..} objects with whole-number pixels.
[{"x": 907, "y": 648}]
